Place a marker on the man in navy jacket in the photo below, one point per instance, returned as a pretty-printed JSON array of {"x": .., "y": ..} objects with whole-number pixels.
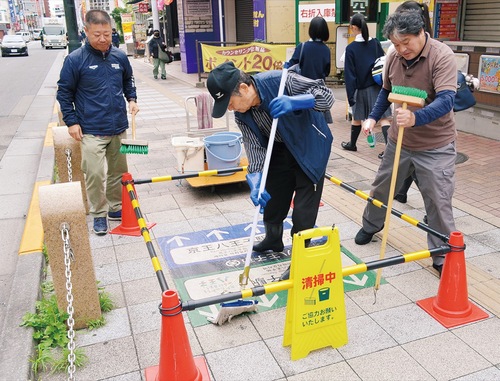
[
  {"x": 301, "y": 147},
  {"x": 94, "y": 83}
]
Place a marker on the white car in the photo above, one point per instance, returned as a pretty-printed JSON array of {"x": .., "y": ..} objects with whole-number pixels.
[
  {"x": 25, "y": 35},
  {"x": 13, "y": 45},
  {"x": 36, "y": 34}
]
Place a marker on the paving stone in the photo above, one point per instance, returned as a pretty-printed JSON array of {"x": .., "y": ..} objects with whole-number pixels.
[
  {"x": 241, "y": 362},
  {"x": 389, "y": 364},
  {"x": 445, "y": 356}
]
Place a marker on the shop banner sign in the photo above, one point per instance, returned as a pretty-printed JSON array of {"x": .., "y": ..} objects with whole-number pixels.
[
  {"x": 489, "y": 74},
  {"x": 12, "y": 11},
  {"x": 259, "y": 20},
  {"x": 254, "y": 57},
  {"x": 126, "y": 17},
  {"x": 198, "y": 7},
  {"x": 127, "y": 32}
]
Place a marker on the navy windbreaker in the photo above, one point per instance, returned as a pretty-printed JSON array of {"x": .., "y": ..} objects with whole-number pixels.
[
  {"x": 92, "y": 90},
  {"x": 305, "y": 132}
]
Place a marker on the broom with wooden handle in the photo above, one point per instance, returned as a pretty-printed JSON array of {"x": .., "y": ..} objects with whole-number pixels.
[
  {"x": 134, "y": 146},
  {"x": 404, "y": 96}
]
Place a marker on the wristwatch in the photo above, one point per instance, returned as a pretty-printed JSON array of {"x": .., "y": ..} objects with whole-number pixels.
[{"x": 131, "y": 99}]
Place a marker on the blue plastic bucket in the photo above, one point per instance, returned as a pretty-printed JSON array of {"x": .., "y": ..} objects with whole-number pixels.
[
  {"x": 223, "y": 151},
  {"x": 231, "y": 133}
]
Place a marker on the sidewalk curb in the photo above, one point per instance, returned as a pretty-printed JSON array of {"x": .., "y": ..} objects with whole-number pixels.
[{"x": 16, "y": 342}]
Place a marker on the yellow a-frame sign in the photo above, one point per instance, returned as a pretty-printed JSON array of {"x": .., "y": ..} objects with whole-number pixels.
[{"x": 315, "y": 313}]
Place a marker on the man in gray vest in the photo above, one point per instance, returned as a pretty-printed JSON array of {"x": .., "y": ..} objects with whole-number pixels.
[{"x": 428, "y": 146}]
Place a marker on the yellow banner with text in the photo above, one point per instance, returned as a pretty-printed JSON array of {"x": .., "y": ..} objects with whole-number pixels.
[{"x": 253, "y": 57}]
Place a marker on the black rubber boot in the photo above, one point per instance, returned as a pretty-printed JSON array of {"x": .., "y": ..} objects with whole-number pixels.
[
  {"x": 351, "y": 145},
  {"x": 273, "y": 240}
]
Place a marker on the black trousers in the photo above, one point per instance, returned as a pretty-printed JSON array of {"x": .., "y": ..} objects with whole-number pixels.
[{"x": 284, "y": 178}]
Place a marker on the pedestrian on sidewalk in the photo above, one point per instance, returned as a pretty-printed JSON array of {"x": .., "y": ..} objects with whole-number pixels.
[
  {"x": 115, "y": 38},
  {"x": 155, "y": 44},
  {"x": 428, "y": 147},
  {"x": 301, "y": 147},
  {"x": 82, "y": 36},
  {"x": 361, "y": 88},
  {"x": 94, "y": 83},
  {"x": 313, "y": 56}
]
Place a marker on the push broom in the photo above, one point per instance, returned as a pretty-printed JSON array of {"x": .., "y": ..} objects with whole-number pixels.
[
  {"x": 404, "y": 96},
  {"x": 134, "y": 146}
]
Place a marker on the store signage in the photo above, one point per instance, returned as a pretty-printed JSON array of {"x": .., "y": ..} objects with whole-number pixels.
[
  {"x": 12, "y": 11},
  {"x": 198, "y": 7},
  {"x": 447, "y": 19},
  {"x": 489, "y": 74},
  {"x": 259, "y": 20},
  {"x": 308, "y": 11},
  {"x": 254, "y": 57}
]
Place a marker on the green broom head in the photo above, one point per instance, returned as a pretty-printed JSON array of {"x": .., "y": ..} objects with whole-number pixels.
[
  {"x": 134, "y": 149},
  {"x": 411, "y": 91}
]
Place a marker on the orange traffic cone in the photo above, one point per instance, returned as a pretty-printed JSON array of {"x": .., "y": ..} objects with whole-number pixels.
[
  {"x": 129, "y": 224},
  {"x": 176, "y": 359},
  {"x": 451, "y": 307}
]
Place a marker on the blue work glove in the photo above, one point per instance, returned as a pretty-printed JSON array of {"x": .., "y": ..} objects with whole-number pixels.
[
  {"x": 284, "y": 104},
  {"x": 286, "y": 65},
  {"x": 253, "y": 180}
]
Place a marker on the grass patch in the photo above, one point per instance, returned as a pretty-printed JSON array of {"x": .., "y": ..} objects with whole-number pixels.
[
  {"x": 104, "y": 299},
  {"x": 50, "y": 331},
  {"x": 96, "y": 323}
]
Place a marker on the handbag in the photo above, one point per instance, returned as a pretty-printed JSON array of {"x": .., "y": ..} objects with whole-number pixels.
[
  {"x": 464, "y": 98},
  {"x": 378, "y": 70},
  {"x": 163, "y": 55}
]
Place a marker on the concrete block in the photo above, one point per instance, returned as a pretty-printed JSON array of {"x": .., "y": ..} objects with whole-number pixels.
[
  {"x": 63, "y": 141},
  {"x": 62, "y": 203}
]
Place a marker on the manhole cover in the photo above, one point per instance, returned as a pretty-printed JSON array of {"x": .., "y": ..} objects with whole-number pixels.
[{"x": 461, "y": 157}]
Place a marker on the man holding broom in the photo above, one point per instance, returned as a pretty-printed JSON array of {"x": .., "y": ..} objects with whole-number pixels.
[
  {"x": 301, "y": 146},
  {"x": 428, "y": 144},
  {"x": 94, "y": 82}
]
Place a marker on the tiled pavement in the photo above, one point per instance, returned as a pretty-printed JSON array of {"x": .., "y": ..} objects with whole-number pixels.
[{"x": 392, "y": 339}]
